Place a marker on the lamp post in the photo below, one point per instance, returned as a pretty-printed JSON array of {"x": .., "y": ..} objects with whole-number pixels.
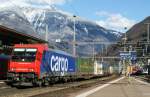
[
  {"x": 74, "y": 36},
  {"x": 46, "y": 34},
  {"x": 124, "y": 63}
]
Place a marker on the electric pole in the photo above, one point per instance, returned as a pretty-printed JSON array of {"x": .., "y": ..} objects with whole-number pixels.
[
  {"x": 124, "y": 60},
  {"x": 93, "y": 52},
  {"x": 148, "y": 36},
  {"x": 148, "y": 33},
  {"x": 74, "y": 37},
  {"x": 46, "y": 34}
]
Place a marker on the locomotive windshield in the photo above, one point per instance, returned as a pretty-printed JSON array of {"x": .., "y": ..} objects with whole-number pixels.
[{"x": 24, "y": 54}]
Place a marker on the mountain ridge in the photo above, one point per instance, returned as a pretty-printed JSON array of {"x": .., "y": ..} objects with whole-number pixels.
[{"x": 60, "y": 26}]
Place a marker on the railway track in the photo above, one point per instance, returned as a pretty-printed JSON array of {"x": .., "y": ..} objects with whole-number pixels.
[
  {"x": 7, "y": 91},
  {"x": 77, "y": 87},
  {"x": 144, "y": 78}
]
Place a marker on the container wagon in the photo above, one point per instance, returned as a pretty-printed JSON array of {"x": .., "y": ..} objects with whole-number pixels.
[
  {"x": 85, "y": 68},
  {"x": 102, "y": 69},
  {"x": 98, "y": 68}
]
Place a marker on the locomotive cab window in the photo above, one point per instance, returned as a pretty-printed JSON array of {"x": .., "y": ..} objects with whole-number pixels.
[{"x": 24, "y": 54}]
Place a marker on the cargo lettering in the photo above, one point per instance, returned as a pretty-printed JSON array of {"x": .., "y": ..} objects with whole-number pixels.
[{"x": 59, "y": 64}]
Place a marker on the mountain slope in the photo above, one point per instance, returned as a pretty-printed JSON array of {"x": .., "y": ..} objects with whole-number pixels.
[
  {"x": 138, "y": 31},
  {"x": 15, "y": 20},
  {"x": 137, "y": 34},
  {"x": 60, "y": 26}
]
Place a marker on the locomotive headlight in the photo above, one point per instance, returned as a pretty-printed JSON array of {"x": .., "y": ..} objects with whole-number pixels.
[
  {"x": 13, "y": 69},
  {"x": 31, "y": 69}
]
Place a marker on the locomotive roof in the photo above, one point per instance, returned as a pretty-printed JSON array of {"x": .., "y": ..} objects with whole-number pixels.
[{"x": 61, "y": 52}]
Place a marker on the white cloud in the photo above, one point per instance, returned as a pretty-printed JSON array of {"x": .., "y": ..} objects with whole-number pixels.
[
  {"x": 46, "y": 1},
  {"x": 33, "y": 3},
  {"x": 114, "y": 21}
]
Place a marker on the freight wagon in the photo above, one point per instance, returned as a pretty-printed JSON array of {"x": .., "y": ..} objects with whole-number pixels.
[
  {"x": 85, "y": 68},
  {"x": 37, "y": 65},
  {"x": 101, "y": 68}
]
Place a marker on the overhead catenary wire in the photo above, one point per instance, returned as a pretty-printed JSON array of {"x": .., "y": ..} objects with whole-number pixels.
[{"x": 73, "y": 8}]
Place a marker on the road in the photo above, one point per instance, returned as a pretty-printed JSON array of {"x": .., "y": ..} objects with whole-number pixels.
[{"x": 123, "y": 87}]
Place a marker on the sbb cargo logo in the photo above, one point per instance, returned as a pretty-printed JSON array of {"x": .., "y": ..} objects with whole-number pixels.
[{"x": 59, "y": 64}]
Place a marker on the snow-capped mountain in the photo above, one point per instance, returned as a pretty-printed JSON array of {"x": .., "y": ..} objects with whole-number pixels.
[
  {"x": 15, "y": 20},
  {"x": 60, "y": 25}
]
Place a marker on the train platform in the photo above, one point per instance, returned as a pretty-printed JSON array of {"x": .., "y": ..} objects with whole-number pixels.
[
  {"x": 122, "y": 87},
  {"x": 2, "y": 81}
]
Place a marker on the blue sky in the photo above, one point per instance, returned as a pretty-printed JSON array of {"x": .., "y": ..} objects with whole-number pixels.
[
  {"x": 134, "y": 9},
  {"x": 111, "y": 14},
  {"x": 129, "y": 10}
]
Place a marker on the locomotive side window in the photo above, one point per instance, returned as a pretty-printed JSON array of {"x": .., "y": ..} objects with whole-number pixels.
[{"x": 24, "y": 54}]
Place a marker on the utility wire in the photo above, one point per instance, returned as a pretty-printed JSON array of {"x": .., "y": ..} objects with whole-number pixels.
[{"x": 73, "y": 8}]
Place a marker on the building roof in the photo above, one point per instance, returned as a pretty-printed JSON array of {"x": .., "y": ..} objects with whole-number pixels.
[{"x": 7, "y": 33}]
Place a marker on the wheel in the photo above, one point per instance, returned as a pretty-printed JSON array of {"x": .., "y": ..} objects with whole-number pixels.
[{"x": 39, "y": 83}]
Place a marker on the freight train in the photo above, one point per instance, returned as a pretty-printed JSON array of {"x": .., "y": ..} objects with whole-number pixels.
[{"x": 36, "y": 64}]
